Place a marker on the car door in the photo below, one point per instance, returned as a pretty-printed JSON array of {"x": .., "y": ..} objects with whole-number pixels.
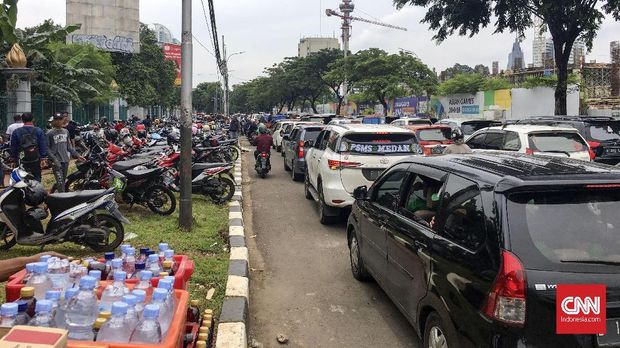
[
  {"x": 410, "y": 235},
  {"x": 378, "y": 210},
  {"x": 313, "y": 157},
  {"x": 476, "y": 142}
]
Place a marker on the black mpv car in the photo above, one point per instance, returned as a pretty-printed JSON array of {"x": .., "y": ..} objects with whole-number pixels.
[{"x": 471, "y": 248}]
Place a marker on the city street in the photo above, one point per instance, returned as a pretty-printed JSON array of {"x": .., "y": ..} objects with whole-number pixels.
[{"x": 301, "y": 283}]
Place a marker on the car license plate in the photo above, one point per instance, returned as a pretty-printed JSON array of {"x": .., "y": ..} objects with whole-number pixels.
[
  {"x": 612, "y": 337},
  {"x": 437, "y": 150},
  {"x": 612, "y": 150}
]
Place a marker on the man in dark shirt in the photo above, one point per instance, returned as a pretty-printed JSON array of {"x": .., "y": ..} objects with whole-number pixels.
[
  {"x": 263, "y": 141},
  {"x": 33, "y": 163}
]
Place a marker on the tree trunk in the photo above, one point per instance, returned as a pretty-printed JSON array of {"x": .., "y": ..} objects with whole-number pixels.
[
  {"x": 562, "y": 54},
  {"x": 385, "y": 105},
  {"x": 340, "y": 101}
]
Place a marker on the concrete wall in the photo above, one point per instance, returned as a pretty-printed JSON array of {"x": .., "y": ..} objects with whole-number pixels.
[
  {"x": 541, "y": 102},
  {"x": 112, "y": 25}
]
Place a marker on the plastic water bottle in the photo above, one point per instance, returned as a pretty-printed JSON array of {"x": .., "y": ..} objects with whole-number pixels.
[
  {"x": 116, "y": 329},
  {"x": 95, "y": 274},
  {"x": 140, "y": 297},
  {"x": 152, "y": 264},
  {"x": 76, "y": 272},
  {"x": 117, "y": 265},
  {"x": 165, "y": 317},
  {"x": 40, "y": 281},
  {"x": 148, "y": 330},
  {"x": 61, "y": 312},
  {"x": 114, "y": 292},
  {"x": 54, "y": 297},
  {"x": 162, "y": 248},
  {"x": 129, "y": 262},
  {"x": 29, "y": 271},
  {"x": 8, "y": 314},
  {"x": 123, "y": 248},
  {"x": 82, "y": 311},
  {"x": 132, "y": 316},
  {"x": 43, "y": 316},
  {"x": 22, "y": 313},
  {"x": 139, "y": 268},
  {"x": 145, "y": 282},
  {"x": 169, "y": 256},
  {"x": 170, "y": 300},
  {"x": 58, "y": 273},
  {"x": 143, "y": 255}
]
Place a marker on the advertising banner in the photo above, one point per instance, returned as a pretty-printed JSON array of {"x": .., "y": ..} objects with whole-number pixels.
[{"x": 173, "y": 54}]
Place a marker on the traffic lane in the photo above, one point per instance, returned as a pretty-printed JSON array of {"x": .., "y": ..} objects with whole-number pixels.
[{"x": 304, "y": 288}]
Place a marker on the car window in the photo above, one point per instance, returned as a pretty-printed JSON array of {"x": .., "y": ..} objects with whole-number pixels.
[
  {"x": 557, "y": 142},
  {"x": 378, "y": 143},
  {"x": 434, "y": 134},
  {"x": 494, "y": 141},
  {"x": 319, "y": 138},
  {"x": 462, "y": 213},
  {"x": 387, "y": 193},
  {"x": 512, "y": 141},
  {"x": 295, "y": 134},
  {"x": 333, "y": 141},
  {"x": 422, "y": 199},
  {"x": 477, "y": 142},
  {"x": 311, "y": 134},
  {"x": 324, "y": 140},
  {"x": 287, "y": 128},
  {"x": 602, "y": 131}
]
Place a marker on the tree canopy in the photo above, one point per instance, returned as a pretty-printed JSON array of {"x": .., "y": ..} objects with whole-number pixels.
[{"x": 204, "y": 95}]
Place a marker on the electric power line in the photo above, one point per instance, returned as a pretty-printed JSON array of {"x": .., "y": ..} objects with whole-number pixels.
[{"x": 203, "y": 46}]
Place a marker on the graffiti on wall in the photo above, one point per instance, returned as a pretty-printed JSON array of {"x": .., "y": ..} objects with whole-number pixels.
[{"x": 117, "y": 44}]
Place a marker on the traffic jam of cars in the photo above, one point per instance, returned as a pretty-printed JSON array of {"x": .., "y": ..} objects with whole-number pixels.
[{"x": 507, "y": 246}]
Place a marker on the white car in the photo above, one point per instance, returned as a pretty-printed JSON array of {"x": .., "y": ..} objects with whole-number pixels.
[
  {"x": 411, "y": 122},
  {"x": 469, "y": 126},
  {"x": 344, "y": 157},
  {"x": 282, "y": 128},
  {"x": 532, "y": 139}
]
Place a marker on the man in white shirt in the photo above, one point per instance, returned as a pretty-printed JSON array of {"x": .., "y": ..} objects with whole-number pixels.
[{"x": 12, "y": 127}]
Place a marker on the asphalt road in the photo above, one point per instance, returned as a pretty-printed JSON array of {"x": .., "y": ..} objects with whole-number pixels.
[{"x": 301, "y": 283}]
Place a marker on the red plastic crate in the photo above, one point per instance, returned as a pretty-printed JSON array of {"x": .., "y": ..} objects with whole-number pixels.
[{"x": 181, "y": 278}]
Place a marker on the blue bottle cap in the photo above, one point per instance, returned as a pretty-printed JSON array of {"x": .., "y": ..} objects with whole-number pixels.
[
  {"x": 146, "y": 275},
  {"x": 124, "y": 247},
  {"x": 120, "y": 275},
  {"x": 160, "y": 294},
  {"x": 140, "y": 266},
  {"x": 140, "y": 294},
  {"x": 43, "y": 306},
  {"x": 117, "y": 263},
  {"x": 69, "y": 293},
  {"x": 163, "y": 246},
  {"x": 44, "y": 258},
  {"x": 164, "y": 284},
  {"x": 40, "y": 267},
  {"x": 119, "y": 308},
  {"x": 144, "y": 250},
  {"x": 130, "y": 299},
  {"x": 9, "y": 309},
  {"x": 30, "y": 267},
  {"x": 154, "y": 258},
  {"x": 95, "y": 274},
  {"x": 151, "y": 311},
  {"x": 169, "y": 253},
  {"x": 109, "y": 256},
  {"x": 130, "y": 251},
  {"x": 88, "y": 282},
  {"x": 52, "y": 295},
  {"x": 22, "y": 306}
]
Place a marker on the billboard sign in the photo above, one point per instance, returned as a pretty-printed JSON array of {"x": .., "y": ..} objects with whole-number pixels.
[
  {"x": 112, "y": 26},
  {"x": 172, "y": 53}
]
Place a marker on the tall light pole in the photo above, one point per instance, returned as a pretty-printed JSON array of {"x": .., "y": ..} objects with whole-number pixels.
[
  {"x": 225, "y": 75},
  {"x": 185, "y": 206}
]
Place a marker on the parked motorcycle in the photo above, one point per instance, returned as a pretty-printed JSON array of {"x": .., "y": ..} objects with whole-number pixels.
[
  {"x": 212, "y": 180},
  {"x": 263, "y": 164},
  {"x": 146, "y": 187},
  {"x": 88, "y": 218}
]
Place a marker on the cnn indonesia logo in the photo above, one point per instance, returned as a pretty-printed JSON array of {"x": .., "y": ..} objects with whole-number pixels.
[{"x": 581, "y": 309}]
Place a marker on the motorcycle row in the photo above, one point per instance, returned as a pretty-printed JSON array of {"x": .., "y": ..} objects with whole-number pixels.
[{"x": 126, "y": 166}]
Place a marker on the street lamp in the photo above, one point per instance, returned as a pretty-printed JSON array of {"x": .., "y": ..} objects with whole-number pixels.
[{"x": 226, "y": 91}]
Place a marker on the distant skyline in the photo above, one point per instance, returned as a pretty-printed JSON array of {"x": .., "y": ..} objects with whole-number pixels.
[{"x": 269, "y": 31}]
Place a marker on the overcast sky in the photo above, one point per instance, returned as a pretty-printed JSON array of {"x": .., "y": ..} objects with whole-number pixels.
[{"x": 269, "y": 30}]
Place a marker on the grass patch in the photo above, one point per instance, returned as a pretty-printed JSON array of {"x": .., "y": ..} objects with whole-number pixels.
[{"x": 205, "y": 245}]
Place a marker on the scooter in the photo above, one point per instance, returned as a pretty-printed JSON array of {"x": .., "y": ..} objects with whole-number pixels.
[
  {"x": 263, "y": 164},
  {"x": 212, "y": 180},
  {"x": 88, "y": 218}
]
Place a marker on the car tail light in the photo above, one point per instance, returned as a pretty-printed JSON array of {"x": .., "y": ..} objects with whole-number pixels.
[
  {"x": 594, "y": 144},
  {"x": 264, "y": 154},
  {"x": 336, "y": 165},
  {"x": 529, "y": 151},
  {"x": 506, "y": 300},
  {"x": 300, "y": 149}
]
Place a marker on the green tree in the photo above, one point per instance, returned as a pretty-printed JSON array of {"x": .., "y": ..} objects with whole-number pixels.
[
  {"x": 146, "y": 79},
  {"x": 203, "y": 96},
  {"x": 462, "y": 83},
  {"x": 328, "y": 67},
  {"x": 568, "y": 20}
]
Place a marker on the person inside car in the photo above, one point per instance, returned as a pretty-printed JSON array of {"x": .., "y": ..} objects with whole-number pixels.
[{"x": 459, "y": 146}]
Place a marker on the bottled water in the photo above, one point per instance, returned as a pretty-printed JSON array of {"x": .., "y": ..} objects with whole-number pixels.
[
  {"x": 61, "y": 312},
  {"x": 40, "y": 280},
  {"x": 81, "y": 311},
  {"x": 165, "y": 317},
  {"x": 169, "y": 256},
  {"x": 162, "y": 248},
  {"x": 75, "y": 274},
  {"x": 148, "y": 330},
  {"x": 22, "y": 317},
  {"x": 144, "y": 254},
  {"x": 54, "y": 297},
  {"x": 132, "y": 316},
  {"x": 167, "y": 285},
  {"x": 123, "y": 248},
  {"x": 140, "y": 297},
  {"x": 152, "y": 264},
  {"x": 29, "y": 271},
  {"x": 45, "y": 258},
  {"x": 145, "y": 282},
  {"x": 97, "y": 275},
  {"x": 139, "y": 268},
  {"x": 116, "y": 329},
  {"x": 43, "y": 316},
  {"x": 114, "y": 292},
  {"x": 8, "y": 313},
  {"x": 129, "y": 262},
  {"x": 117, "y": 265},
  {"x": 58, "y": 272}
]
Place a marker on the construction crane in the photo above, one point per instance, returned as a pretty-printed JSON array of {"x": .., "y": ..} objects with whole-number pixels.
[{"x": 347, "y": 7}]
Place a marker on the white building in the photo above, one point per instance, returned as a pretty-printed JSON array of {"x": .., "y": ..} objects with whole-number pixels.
[
  {"x": 163, "y": 34},
  {"x": 543, "y": 51},
  {"x": 315, "y": 44}
]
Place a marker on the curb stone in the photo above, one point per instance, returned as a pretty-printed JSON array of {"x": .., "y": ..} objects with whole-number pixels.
[{"x": 232, "y": 327}]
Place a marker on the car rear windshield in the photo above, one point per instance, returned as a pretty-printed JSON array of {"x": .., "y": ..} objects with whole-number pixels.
[
  {"x": 419, "y": 122},
  {"x": 311, "y": 134},
  {"x": 604, "y": 131},
  {"x": 566, "y": 229},
  {"x": 470, "y": 128},
  {"x": 557, "y": 142},
  {"x": 434, "y": 134},
  {"x": 377, "y": 143}
]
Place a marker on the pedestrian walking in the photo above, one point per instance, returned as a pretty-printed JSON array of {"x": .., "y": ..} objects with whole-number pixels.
[
  {"x": 17, "y": 123},
  {"x": 29, "y": 147},
  {"x": 59, "y": 150},
  {"x": 233, "y": 128},
  {"x": 147, "y": 122}
]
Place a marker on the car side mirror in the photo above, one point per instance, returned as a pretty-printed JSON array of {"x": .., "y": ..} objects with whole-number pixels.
[{"x": 361, "y": 193}]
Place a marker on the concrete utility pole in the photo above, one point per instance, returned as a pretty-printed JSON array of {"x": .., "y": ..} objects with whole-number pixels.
[
  {"x": 225, "y": 72},
  {"x": 185, "y": 206}
]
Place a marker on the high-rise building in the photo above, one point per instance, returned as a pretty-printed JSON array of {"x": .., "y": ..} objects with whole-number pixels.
[
  {"x": 614, "y": 48},
  {"x": 163, "y": 34},
  {"x": 495, "y": 69},
  {"x": 516, "y": 59},
  {"x": 543, "y": 51},
  {"x": 315, "y": 44}
]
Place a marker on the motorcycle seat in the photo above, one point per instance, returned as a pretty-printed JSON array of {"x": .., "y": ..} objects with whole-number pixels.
[
  {"x": 136, "y": 174},
  {"x": 60, "y": 202},
  {"x": 202, "y": 148},
  {"x": 203, "y": 166},
  {"x": 123, "y": 166}
]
